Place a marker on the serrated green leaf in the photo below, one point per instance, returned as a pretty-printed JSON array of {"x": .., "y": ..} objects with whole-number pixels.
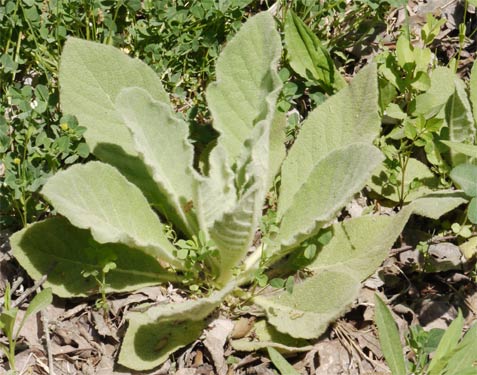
[
  {"x": 459, "y": 120},
  {"x": 389, "y": 338},
  {"x": 330, "y": 185},
  {"x": 447, "y": 345},
  {"x": 308, "y": 311},
  {"x": 281, "y": 363},
  {"x": 56, "y": 248},
  {"x": 350, "y": 116},
  {"x": 96, "y": 196},
  {"x": 146, "y": 346},
  {"x": 247, "y": 83},
  {"x": 465, "y": 176},
  {"x": 160, "y": 138},
  {"x": 307, "y": 56}
]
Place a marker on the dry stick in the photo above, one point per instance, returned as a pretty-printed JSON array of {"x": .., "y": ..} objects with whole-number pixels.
[
  {"x": 29, "y": 291},
  {"x": 15, "y": 285},
  {"x": 46, "y": 327}
]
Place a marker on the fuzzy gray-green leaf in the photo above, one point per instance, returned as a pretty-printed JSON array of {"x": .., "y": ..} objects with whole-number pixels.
[
  {"x": 360, "y": 244},
  {"x": 350, "y": 116},
  {"x": 307, "y": 312},
  {"x": 96, "y": 196},
  {"x": 328, "y": 188},
  {"x": 146, "y": 346},
  {"x": 465, "y": 176},
  {"x": 56, "y": 248},
  {"x": 160, "y": 138},
  {"x": 246, "y": 76},
  {"x": 159, "y": 331},
  {"x": 91, "y": 76}
]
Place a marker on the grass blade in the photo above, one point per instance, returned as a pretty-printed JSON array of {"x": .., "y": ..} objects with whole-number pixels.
[
  {"x": 281, "y": 363},
  {"x": 389, "y": 338}
]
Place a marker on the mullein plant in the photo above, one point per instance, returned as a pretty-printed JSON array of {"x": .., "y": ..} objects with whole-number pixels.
[{"x": 122, "y": 206}]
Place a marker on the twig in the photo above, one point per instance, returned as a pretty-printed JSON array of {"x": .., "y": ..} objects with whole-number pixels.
[
  {"x": 46, "y": 327},
  {"x": 16, "y": 284},
  {"x": 29, "y": 291}
]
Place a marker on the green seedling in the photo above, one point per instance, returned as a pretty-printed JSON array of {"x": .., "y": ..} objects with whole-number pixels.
[
  {"x": 8, "y": 318},
  {"x": 146, "y": 166},
  {"x": 437, "y": 352},
  {"x": 99, "y": 275}
]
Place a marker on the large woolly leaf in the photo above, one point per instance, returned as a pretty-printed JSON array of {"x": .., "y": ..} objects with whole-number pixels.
[
  {"x": 91, "y": 76},
  {"x": 462, "y": 148},
  {"x": 330, "y": 185},
  {"x": 361, "y": 244},
  {"x": 307, "y": 56},
  {"x": 465, "y": 176},
  {"x": 160, "y": 138},
  {"x": 307, "y": 312},
  {"x": 215, "y": 193},
  {"x": 246, "y": 82},
  {"x": 357, "y": 248},
  {"x": 146, "y": 346},
  {"x": 348, "y": 117},
  {"x": 154, "y": 334},
  {"x": 277, "y": 152},
  {"x": 433, "y": 100},
  {"x": 61, "y": 251},
  {"x": 437, "y": 204},
  {"x": 96, "y": 196},
  {"x": 459, "y": 120},
  {"x": 233, "y": 234}
]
